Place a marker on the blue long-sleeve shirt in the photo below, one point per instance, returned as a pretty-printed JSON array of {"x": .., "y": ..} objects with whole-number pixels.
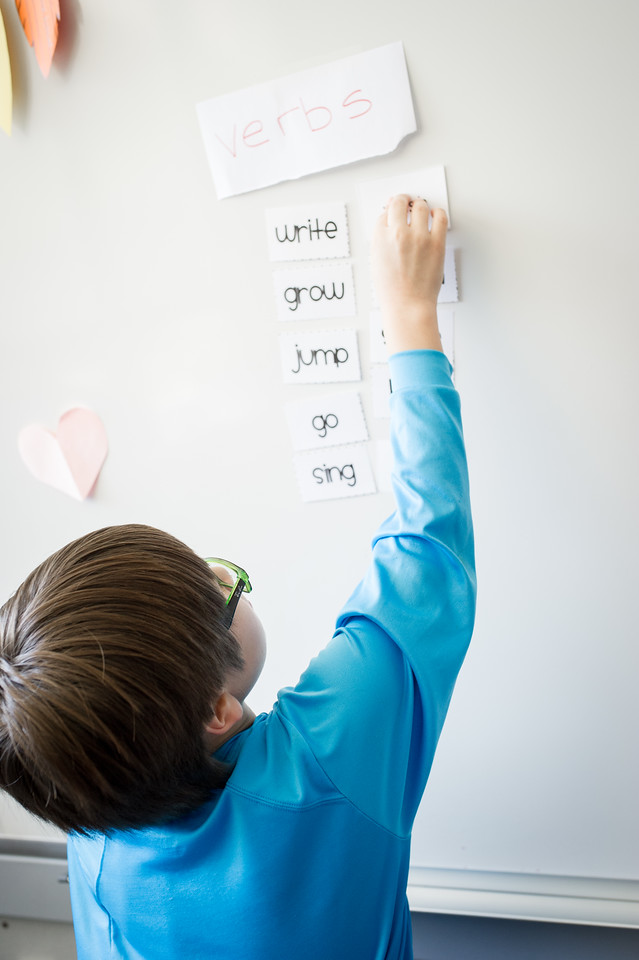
[{"x": 305, "y": 852}]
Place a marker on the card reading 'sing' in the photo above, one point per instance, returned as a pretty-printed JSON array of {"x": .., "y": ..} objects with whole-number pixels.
[{"x": 335, "y": 472}]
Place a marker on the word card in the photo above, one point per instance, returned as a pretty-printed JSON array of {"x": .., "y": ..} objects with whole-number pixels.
[
  {"x": 381, "y": 389},
  {"x": 334, "y": 473},
  {"x": 429, "y": 183},
  {"x": 354, "y": 108},
  {"x": 448, "y": 292},
  {"x": 379, "y": 353},
  {"x": 446, "y": 323},
  {"x": 326, "y": 421},
  {"x": 321, "y": 356},
  {"x": 312, "y": 232},
  {"x": 315, "y": 293}
]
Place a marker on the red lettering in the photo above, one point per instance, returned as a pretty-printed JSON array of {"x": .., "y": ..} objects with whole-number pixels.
[
  {"x": 307, "y": 113},
  {"x": 350, "y": 103},
  {"x": 279, "y": 119},
  {"x": 318, "y": 118},
  {"x": 233, "y": 150},
  {"x": 248, "y": 133}
]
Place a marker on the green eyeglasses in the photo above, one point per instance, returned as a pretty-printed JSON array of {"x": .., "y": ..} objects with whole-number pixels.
[{"x": 239, "y": 582}]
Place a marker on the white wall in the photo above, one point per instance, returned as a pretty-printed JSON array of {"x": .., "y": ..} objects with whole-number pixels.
[{"x": 127, "y": 287}]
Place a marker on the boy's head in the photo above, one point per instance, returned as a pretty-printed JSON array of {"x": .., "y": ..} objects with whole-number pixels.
[{"x": 112, "y": 657}]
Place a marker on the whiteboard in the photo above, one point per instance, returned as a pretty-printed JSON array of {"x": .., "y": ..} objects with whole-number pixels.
[{"x": 130, "y": 289}]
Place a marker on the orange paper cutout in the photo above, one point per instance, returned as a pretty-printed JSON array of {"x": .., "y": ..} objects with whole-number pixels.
[
  {"x": 6, "y": 95},
  {"x": 40, "y": 21}
]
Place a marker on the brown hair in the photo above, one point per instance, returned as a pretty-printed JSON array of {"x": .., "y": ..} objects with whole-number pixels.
[{"x": 111, "y": 657}]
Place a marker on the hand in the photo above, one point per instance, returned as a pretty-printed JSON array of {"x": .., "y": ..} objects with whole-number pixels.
[{"x": 408, "y": 270}]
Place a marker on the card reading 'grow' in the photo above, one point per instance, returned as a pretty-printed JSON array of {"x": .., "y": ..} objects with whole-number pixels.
[{"x": 315, "y": 293}]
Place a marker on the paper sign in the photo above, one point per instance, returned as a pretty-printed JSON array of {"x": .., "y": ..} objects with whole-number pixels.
[
  {"x": 448, "y": 292},
  {"x": 345, "y": 111},
  {"x": 335, "y": 472},
  {"x": 381, "y": 390},
  {"x": 324, "y": 356},
  {"x": 326, "y": 421},
  {"x": 445, "y": 321},
  {"x": 40, "y": 22},
  {"x": 315, "y": 293},
  {"x": 379, "y": 354},
  {"x": 311, "y": 232},
  {"x": 71, "y": 459},
  {"x": 429, "y": 183},
  {"x": 6, "y": 95}
]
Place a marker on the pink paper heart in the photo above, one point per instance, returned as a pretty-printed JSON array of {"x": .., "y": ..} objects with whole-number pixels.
[{"x": 71, "y": 459}]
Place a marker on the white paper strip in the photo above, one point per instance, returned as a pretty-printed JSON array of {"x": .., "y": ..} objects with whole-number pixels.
[
  {"x": 378, "y": 350},
  {"x": 334, "y": 473},
  {"x": 315, "y": 293},
  {"x": 338, "y": 113},
  {"x": 429, "y": 183},
  {"x": 448, "y": 292},
  {"x": 445, "y": 320},
  {"x": 314, "y": 231},
  {"x": 381, "y": 390},
  {"x": 320, "y": 356},
  {"x": 326, "y": 421}
]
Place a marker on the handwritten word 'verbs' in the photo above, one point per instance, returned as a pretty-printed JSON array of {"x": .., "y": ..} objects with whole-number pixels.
[
  {"x": 335, "y": 356},
  {"x": 300, "y": 118}
]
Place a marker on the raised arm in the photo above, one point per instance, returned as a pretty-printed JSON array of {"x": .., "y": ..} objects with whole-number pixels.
[
  {"x": 373, "y": 703},
  {"x": 408, "y": 269}
]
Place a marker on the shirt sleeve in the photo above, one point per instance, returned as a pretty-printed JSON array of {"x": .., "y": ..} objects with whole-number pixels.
[{"x": 372, "y": 705}]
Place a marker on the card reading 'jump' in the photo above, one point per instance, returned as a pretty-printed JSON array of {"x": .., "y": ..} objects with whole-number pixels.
[{"x": 320, "y": 356}]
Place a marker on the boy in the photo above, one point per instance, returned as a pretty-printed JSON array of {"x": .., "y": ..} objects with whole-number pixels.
[{"x": 197, "y": 830}]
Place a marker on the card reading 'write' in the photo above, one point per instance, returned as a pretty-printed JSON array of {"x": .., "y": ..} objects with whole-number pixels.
[
  {"x": 326, "y": 421},
  {"x": 315, "y": 293},
  {"x": 313, "y": 232},
  {"x": 320, "y": 356}
]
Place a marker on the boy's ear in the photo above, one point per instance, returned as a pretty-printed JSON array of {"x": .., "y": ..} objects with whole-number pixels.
[{"x": 227, "y": 711}]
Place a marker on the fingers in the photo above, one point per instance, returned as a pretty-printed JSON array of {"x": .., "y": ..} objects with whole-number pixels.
[
  {"x": 402, "y": 211},
  {"x": 439, "y": 226},
  {"x": 397, "y": 210},
  {"x": 419, "y": 211}
]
